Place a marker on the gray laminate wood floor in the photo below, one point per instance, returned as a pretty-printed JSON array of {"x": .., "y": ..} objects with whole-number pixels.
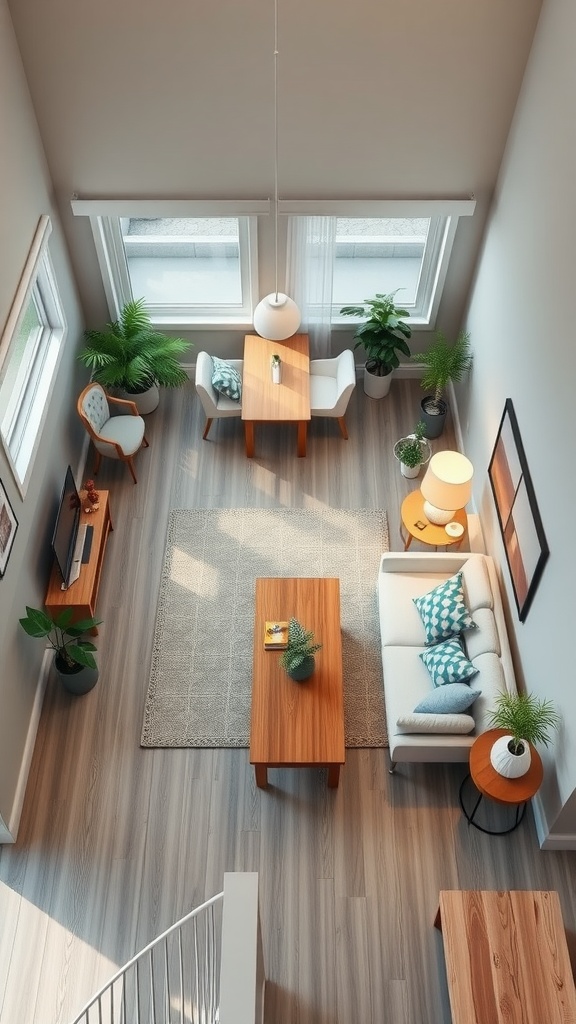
[{"x": 117, "y": 842}]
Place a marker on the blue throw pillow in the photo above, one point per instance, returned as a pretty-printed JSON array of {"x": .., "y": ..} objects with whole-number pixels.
[
  {"x": 447, "y": 663},
  {"x": 226, "y": 379},
  {"x": 451, "y": 699},
  {"x": 443, "y": 610}
]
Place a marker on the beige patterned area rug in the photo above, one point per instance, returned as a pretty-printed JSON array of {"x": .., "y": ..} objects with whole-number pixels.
[{"x": 200, "y": 681}]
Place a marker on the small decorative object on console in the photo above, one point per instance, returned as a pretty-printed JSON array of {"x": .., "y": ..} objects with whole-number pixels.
[{"x": 92, "y": 497}]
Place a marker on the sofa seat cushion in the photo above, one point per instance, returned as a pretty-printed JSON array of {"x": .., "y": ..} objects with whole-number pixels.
[
  {"x": 400, "y": 623},
  {"x": 491, "y": 681},
  {"x": 443, "y": 610},
  {"x": 484, "y": 639}
]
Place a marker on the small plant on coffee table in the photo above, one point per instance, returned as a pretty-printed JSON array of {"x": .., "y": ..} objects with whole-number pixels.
[{"x": 298, "y": 658}]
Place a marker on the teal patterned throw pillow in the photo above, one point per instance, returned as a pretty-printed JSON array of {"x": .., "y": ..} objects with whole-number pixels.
[
  {"x": 452, "y": 699},
  {"x": 226, "y": 379},
  {"x": 447, "y": 663},
  {"x": 443, "y": 611}
]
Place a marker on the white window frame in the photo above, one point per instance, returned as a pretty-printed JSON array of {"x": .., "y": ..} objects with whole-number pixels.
[
  {"x": 105, "y": 218},
  {"x": 22, "y": 423},
  {"x": 443, "y": 215}
]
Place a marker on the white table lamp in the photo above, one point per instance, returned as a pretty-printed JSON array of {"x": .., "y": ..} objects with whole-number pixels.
[{"x": 447, "y": 486}]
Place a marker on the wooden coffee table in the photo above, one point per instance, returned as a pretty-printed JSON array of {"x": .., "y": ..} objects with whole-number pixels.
[
  {"x": 265, "y": 402},
  {"x": 298, "y": 725}
]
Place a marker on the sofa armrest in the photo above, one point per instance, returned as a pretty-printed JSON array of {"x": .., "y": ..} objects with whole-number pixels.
[{"x": 423, "y": 561}]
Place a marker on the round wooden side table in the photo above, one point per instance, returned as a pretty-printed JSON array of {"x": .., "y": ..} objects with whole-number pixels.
[
  {"x": 412, "y": 513},
  {"x": 488, "y": 782}
]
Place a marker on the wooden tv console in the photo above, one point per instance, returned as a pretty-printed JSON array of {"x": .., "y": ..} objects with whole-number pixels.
[{"x": 82, "y": 595}]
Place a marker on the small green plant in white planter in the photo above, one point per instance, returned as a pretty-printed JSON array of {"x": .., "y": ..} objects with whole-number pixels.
[
  {"x": 298, "y": 658},
  {"x": 527, "y": 719},
  {"x": 413, "y": 451}
]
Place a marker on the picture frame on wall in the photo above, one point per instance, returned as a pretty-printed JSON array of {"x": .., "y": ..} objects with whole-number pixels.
[
  {"x": 520, "y": 523},
  {"x": 8, "y": 527}
]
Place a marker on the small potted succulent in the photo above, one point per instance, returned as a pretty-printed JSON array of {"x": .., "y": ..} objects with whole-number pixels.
[
  {"x": 298, "y": 658},
  {"x": 527, "y": 719},
  {"x": 442, "y": 363},
  {"x": 73, "y": 657},
  {"x": 413, "y": 451}
]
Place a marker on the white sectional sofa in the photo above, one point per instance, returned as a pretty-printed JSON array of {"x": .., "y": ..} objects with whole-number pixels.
[{"x": 402, "y": 577}]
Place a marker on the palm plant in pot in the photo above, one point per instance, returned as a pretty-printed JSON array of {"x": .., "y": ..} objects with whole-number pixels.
[
  {"x": 413, "y": 451},
  {"x": 73, "y": 656},
  {"x": 442, "y": 363},
  {"x": 527, "y": 719},
  {"x": 131, "y": 356},
  {"x": 298, "y": 658},
  {"x": 382, "y": 336}
]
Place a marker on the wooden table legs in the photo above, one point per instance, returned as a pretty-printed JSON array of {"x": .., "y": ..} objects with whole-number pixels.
[
  {"x": 300, "y": 442},
  {"x": 261, "y": 773}
]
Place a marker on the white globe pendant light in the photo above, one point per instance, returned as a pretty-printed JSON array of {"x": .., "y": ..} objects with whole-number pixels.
[{"x": 277, "y": 316}]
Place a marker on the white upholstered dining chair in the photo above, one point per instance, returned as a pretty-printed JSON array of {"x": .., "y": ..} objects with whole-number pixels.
[
  {"x": 332, "y": 382},
  {"x": 215, "y": 404},
  {"x": 116, "y": 437}
]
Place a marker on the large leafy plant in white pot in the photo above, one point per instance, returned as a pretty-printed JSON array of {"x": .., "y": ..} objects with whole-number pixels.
[
  {"x": 131, "y": 356},
  {"x": 527, "y": 720},
  {"x": 382, "y": 335}
]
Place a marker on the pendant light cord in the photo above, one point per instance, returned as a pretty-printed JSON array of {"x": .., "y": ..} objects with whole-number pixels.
[{"x": 276, "y": 144}]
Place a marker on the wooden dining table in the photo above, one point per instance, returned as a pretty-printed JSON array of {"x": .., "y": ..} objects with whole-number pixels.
[{"x": 263, "y": 401}]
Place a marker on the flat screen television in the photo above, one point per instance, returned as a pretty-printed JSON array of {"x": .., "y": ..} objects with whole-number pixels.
[{"x": 66, "y": 529}]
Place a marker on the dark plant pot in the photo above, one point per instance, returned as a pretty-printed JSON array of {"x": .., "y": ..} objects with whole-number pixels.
[
  {"x": 433, "y": 416},
  {"x": 304, "y": 670},
  {"x": 77, "y": 680}
]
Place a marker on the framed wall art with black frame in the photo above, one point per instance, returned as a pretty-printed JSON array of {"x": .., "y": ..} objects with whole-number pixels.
[
  {"x": 8, "y": 527},
  {"x": 520, "y": 523}
]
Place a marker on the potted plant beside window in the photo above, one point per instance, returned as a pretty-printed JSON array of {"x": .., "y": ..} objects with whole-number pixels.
[
  {"x": 442, "y": 363},
  {"x": 132, "y": 357},
  {"x": 382, "y": 335},
  {"x": 527, "y": 719},
  {"x": 412, "y": 452}
]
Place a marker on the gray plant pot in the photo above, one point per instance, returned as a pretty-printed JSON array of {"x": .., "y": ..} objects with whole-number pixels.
[
  {"x": 433, "y": 420},
  {"x": 78, "y": 680}
]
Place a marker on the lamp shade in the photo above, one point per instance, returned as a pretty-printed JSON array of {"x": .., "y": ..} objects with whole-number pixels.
[
  {"x": 447, "y": 485},
  {"x": 276, "y": 317}
]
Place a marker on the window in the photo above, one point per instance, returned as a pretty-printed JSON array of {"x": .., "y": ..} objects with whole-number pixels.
[
  {"x": 343, "y": 252},
  {"x": 30, "y": 350},
  {"x": 190, "y": 269}
]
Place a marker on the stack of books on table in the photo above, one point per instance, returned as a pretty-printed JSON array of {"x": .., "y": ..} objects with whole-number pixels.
[{"x": 276, "y": 636}]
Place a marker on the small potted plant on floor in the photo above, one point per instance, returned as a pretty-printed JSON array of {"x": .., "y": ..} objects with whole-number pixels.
[
  {"x": 382, "y": 336},
  {"x": 298, "y": 658},
  {"x": 442, "y": 363},
  {"x": 73, "y": 657},
  {"x": 412, "y": 451},
  {"x": 527, "y": 719},
  {"x": 131, "y": 356}
]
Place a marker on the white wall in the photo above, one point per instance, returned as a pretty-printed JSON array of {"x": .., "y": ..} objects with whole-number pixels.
[
  {"x": 26, "y": 194},
  {"x": 377, "y": 98},
  {"x": 520, "y": 318}
]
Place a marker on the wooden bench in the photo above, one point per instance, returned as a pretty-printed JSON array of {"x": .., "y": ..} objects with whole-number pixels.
[{"x": 506, "y": 957}]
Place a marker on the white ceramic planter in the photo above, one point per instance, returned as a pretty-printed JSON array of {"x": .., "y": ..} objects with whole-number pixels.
[
  {"x": 510, "y": 765},
  {"x": 410, "y": 472},
  {"x": 376, "y": 387},
  {"x": 276, "y": 372},
  {"x": 146, "y": 401}
]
